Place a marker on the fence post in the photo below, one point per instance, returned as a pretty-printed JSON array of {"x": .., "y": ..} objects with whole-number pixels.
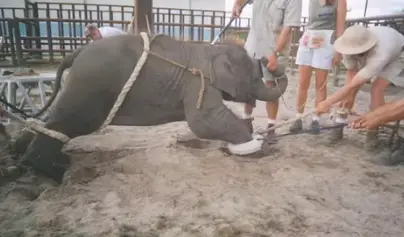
[
  {"x": 11, "y": 42},
  {"x": 143, "y": 11},
  {"x": 15, "y": 29},
  {"x": 37, "y": 27}
]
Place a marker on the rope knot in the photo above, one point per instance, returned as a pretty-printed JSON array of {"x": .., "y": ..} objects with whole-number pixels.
[{"x": 195, "y": 71}]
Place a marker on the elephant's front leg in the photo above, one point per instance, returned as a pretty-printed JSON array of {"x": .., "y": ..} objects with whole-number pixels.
[{"x": 215, "y": 121}]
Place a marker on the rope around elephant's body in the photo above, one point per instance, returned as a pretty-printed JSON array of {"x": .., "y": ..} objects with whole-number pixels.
[{"x": 128, "y": 85}]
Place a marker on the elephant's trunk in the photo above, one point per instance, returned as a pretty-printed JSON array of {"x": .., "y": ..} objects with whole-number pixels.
[{"x": 264, "y": 93}]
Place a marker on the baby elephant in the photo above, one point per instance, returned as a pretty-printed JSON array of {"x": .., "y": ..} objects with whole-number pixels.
[{"x": 163, "y": 92}]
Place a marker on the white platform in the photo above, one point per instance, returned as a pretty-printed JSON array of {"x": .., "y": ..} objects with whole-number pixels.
[{"x": 19, "y": 90}]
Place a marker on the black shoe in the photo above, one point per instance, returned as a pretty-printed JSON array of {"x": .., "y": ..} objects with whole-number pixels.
[
  {"x": 315, "y": 127},
  {"x": 336, "y": 135},
  {"x": 271, "y": 136},
  {"x": 296, "y": 126},
  {"x": 372, "y": 141}
]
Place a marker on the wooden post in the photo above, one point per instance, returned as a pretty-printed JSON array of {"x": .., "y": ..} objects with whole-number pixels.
[{"x": 143, "y": 9}]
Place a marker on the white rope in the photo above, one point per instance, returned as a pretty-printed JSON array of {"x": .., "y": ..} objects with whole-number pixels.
[
  {"x": 131, "y": 80},
  {"x": 284, "y": 123},
  {"x": 35, "y": 125}
]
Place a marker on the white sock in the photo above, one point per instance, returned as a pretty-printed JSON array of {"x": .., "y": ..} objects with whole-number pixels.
[
  {"x": 315, "y": 118},
  {"x": 246, "y": 116},
  {"x": 271, "y": 121}
]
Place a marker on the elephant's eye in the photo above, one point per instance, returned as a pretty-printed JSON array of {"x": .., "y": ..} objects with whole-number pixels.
[{"x": 231, "y": 68}]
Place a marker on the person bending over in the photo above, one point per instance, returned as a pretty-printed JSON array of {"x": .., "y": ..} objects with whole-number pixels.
[{"x": 372, "y": 55}]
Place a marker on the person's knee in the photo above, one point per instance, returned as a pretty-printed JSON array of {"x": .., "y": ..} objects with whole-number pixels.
[
  {"x": 377, "y": 90},
  {"x": 304, "y": 80},
  {"x": 379, "y": 85}
]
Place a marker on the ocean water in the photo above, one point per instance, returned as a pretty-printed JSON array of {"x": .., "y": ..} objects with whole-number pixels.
[{"x": 77, "y": 29}]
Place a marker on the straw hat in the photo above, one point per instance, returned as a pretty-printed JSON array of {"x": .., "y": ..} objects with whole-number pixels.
[{"x": 355, "y": 40}]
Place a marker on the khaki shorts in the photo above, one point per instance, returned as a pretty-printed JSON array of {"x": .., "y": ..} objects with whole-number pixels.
[
  {"x": 267, "y": 76},
  {"x": 394, "y": 71}
]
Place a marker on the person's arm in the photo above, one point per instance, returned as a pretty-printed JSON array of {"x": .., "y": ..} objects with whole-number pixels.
[
  {"x": 292, "y": 18},
  {"x": 389, "y": 112},
  {"x": 236, "y": 11},
  {"x": 341, "y": 17},
  {"x": 375, "y": 64},
  {"x": 240, "y": 2},
  {"x": 340, "y": 26},
  {"x": 347, "y": 90}
]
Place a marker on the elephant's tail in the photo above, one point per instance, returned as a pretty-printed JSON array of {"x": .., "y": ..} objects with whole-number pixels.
[{"x": 67, "y": 62}]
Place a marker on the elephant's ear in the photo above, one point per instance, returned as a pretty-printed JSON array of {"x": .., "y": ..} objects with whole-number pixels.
[{"x": 224, "y": 74}]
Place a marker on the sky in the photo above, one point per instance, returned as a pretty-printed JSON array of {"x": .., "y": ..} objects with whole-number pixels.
[{"x": 356, "y": 7}]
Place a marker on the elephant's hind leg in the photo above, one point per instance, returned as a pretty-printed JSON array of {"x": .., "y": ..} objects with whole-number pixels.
[
  {"x": 19, "y": 146},
  {"x": 44, "y": 155}
]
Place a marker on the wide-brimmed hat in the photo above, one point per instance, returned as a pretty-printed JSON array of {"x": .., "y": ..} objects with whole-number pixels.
[{"x": 355, "y": 40}]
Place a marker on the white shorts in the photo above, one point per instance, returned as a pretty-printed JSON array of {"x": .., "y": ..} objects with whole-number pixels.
[{"x": 320, "y": 58}]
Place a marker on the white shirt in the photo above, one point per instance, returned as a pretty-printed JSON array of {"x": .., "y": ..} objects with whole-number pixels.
[
  {"x": 268, "y": 18},
  {"x": 107, "y": 31},
  {"x": 387, "y": 50}
]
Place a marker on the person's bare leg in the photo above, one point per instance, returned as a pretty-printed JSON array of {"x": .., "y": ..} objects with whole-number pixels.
[
  {"x": 376, "y": 100},
  {"x": 248, "y": 109},
  {"x": 349, "y": 100},
  {"x": 272, "y": 108},
  {"x": 321, "y": 95},
  {"x": 305, "y": 73}
]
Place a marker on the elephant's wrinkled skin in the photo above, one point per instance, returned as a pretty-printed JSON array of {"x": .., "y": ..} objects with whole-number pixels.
[{"x": 161, "y": 94}]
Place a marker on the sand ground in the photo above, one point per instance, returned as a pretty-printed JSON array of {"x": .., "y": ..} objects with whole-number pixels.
[{"x": 140, "y": 182}]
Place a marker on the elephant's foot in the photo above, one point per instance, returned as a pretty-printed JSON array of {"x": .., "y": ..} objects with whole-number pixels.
[
  {"x": 44, "y": 155},
  {"x": 247, "y": 148}
]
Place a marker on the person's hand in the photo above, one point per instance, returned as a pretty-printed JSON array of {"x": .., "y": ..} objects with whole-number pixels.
[
  {"x": 236, "y": 11},
  {"x": 366, "y": 122},
  {"x": 272, "y": 62},
  {"x": 323, "y": 107},
  {"x": 336, "y": 59}
]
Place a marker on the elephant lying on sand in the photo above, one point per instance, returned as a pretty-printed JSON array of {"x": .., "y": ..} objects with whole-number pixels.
[{"x": 162, "y": 93}]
